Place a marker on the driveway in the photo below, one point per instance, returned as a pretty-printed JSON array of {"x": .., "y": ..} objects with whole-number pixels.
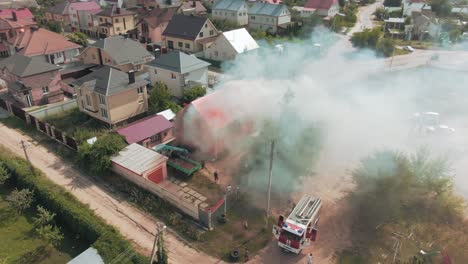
[
  {"x": 364, "y": 17},
  {"x": 134, "y": 224}
]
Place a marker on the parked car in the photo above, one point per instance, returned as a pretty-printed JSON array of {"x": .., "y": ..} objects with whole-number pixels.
[{"x": 408, "y": 48}]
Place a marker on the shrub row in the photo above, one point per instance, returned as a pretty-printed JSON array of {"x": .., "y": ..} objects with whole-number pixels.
[{"x": 70, "y": 213}]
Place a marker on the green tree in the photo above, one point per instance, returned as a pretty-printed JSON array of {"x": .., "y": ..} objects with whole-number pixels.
[
  {"x": 4, "y": 175},
  {"x": 381, "y": 13},
  {"x": 342, "y": 3},
  {"x": 193, "y": 93},
  {"x": 54, "y": 26},
  {"x": 441, "y": 7},
  {"x": 160, "y": 99},
  {"x": 385, "y": 47},
  {"x": 392, "y": 3},
  {"x": 97, "y": 157},
  {"x": 43, "y": 217},
  {"x": 51, "y": 234},
  {"x": 79, "y": 38},
  {"x": 20, "y": 200},
  {"x": 366, "y": 39}
]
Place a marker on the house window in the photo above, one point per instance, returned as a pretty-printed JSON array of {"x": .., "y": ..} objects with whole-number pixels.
[
  {"x": 187, "y": 45},
  {"x": 140, "y": 90},
  {"x": 116, "y": 20},
  {"x": 140, "y": 101},
  {"x": 216, "y": 54},
  {"x": 173, "y": 76},
  {"x": 211, "y": 32},
  {"x": 93, "y": 56},
  {"x": 180, "y": 44},
  {"x": 118, "y": 29},
  {"x": 156, "y": 138},
  {"x": 45, "y": 90},
  {"x": 88, "y": 100},
  {"x": 100, "y": 19},
  {"x": 252, "y": 17},
  {"x": 155, "y": 71},
  {"x": 104, "y": 113},
  {"x": 102, "y": 99},
  {"x": 82, "y": 104},
  {"x": 206, "y": 25},
  {"x": 201, "y": 34}
]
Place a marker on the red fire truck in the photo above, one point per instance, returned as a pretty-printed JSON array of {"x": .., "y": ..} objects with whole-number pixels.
[{"x": 300, "y": 227}]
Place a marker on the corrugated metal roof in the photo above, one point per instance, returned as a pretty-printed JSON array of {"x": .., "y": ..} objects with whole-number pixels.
[
  {"x": 89, "y": 256},
  {"x": 229, "y": 5},
  {"x": 267, "y": 9},
  {"x": 145, "y": 128},
  {"x": 138, "y": 159},
  {"x": 177, "y": 61},
  {"x": 123, "y": 50},
  {"x": 241, "y": 40},
  {"x": 168, "y": 114}
]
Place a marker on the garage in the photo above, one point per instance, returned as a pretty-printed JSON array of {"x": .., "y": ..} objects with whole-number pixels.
[{"x": 136, "y": 162}]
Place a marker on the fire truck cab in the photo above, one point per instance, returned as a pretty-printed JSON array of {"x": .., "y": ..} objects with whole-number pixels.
[{"x": 300, "y": 227}]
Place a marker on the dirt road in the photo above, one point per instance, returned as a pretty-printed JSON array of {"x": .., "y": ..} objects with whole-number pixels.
[{"x": 132, "y": 223}]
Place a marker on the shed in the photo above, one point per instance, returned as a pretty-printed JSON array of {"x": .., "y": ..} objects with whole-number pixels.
[
  {"x": 136, "y": 161},
  {"x": 149, "y": 131},
  {"x": 90, "y": 255}
]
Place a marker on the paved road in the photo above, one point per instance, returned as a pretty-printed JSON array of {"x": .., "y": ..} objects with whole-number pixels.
[
  {"x": 364, "y": 17},
  {"x": 134, "y": 224}
]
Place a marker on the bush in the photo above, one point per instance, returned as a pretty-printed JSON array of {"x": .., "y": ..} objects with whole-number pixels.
[
  {"x": 193, "y": 93},
  {"x": 70, "y": 213},
  {"x": 79, "y": 38},
  {"x": 20, "y": 200},
  {"x": 159, "y": 99}
]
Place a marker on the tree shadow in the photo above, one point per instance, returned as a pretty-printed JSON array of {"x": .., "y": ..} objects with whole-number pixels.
[
  {"x": 37, "y": 255},
  {"x": 7, "y": 216}
]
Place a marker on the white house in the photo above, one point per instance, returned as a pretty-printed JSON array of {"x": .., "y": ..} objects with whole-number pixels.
[
  {"x": 234, "y": 11},
  {"x": 325, "y": 8},
  {"x": 230, "y": 44},
  {"x": 268, "y": 17},
  {"x": 179, "y": 71}
]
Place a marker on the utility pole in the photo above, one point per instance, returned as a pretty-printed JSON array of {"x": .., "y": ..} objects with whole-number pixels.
[
  {"x": 272, "y": 152},
  {"x": 159, "y": 231},
  {"x": 24, "y": 145}
]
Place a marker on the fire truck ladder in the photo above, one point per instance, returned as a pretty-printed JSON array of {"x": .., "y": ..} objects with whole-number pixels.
[{"x": 306, "y": 210}]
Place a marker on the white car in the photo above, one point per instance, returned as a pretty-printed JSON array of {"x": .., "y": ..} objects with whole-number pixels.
[{"x": 408, "y": 48}]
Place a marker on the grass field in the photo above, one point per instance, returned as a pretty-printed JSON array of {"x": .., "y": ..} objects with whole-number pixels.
[{"x": 20, "y": 244}]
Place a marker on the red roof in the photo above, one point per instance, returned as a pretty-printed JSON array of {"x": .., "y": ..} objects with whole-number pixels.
[
  {"x": 91, "y": 5},
  {"x": 42, "y": 42},
  {"x": 320, "y": 4},
  {"x": 20, "y": 13},
  {"x": 145, "y": 128}
]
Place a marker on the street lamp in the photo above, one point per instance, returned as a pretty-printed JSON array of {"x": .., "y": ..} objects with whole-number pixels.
[{"x": 160, "y": 227}]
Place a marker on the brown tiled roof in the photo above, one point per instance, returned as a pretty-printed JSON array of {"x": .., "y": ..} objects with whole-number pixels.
[
  {"x": 112, "y": 12},
  {"x": 199, "y": 8},
  {"x": 157, "y": 16},
  {"x": 43, "y": 41}
]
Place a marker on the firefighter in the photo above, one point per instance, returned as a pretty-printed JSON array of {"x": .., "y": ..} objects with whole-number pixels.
[
  {"x": 216, "y": 178},
  {"x": 309, "y": 258}
]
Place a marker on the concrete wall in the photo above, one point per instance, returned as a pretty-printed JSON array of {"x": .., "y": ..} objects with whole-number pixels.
[
  {"x": 188, "y": 208},
  {"x": 54, "y": 109}
]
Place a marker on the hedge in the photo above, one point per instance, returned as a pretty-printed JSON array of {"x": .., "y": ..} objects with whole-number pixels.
[{"x": 77, "y": 217}]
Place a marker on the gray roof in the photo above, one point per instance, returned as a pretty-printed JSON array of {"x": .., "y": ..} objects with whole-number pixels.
[
  {"x": 123, "y": 50},
  {"x": 138, "y": 159},
  {"x": 108, "y": 81},
  {"x": 23, "y": 66},
  {"x": 229, "y": 5},
  {"x": 267, "y": 9},
  {"x": 60, "y": 8},
  {"x": 112, "y": 12},
  {"x": 177, "y": 61},
  {"x": 88, "y": 256},
  {"x": 186, "y": 27}
]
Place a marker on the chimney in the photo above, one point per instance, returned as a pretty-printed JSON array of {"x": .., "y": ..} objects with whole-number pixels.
[
  {"x": 131, "y": 77},
  {"x": 15, "y": 18},
  {"x": 117, "y": 10}
]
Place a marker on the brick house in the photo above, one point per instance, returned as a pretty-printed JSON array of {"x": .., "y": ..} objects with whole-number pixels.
[
  {"x": 31, "y": 81},
  {"x": 152, "y": 24},
  {"x": 11, "y": 27},
  {"x": 114, "y": 21},
  {"x": 118, "y": 52},
  {"x": 112, "y": 96}
]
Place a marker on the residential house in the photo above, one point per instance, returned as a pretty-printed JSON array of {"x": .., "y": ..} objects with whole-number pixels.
[
  {"x": 108, "y": 3},
  {"x": 118, "y": 52},
  {"x": 115, "y": 21},
  {"x": 140, "y": 165},
  {"x": 410, "y": 6},
  {"x": 424, "y": 26},
  {"x": 149, "y": 4},
  {"x": 229, "y": 44},
  {"x": 88, "y": 22},
  {"x": 394, "y": 26},
  {"x": 31, "y": 80},
  {"x": 192, "y": 8},
  {"x": 11, "y": 28},
  {"x": 60, "y": 13},
  {"x": 112, "y": 96},
  {"x": 324, "y": 8},
  {"x": 20, "y": 13},
  {"x": 179, "y": 71},
  {"x": 149, "y": 132},
  {"x": 233, "y": 11},
  {"x": 153, "y": 23},
  {"x": 304, "y": 11},
  {"x": 47, "y": 45},
  {"x": 268, "y": 17},
  {"x": 189, "y": 33},
  {"x": 79, "y": 8},
  {"x": 273, "y": 2}
]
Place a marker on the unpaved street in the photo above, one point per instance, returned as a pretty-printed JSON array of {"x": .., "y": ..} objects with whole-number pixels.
[{"x": 132, "y": 223}]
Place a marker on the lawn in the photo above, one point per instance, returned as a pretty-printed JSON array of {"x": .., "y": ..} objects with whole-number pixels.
[
  {"x": 20, "y": 244},
  {"x": 77, "y": 124}
]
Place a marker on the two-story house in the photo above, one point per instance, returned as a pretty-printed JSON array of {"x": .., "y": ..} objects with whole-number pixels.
[
  {"x": 11, "y": 28},
  {"x": 112, "y": 96},
  {"x": 118, "y": 52},
  {"x": 152, "y": 24},
  {"x": 76, "y": 7},
  {"x": 233, "y": 11},
  {"x": 179, "y": 71},
  {"x": 192, "y": 8},
  {"x": 325, "y": 8},
  {"x": 268, "y": 17},
  {"x": 89, "y": 22},
  {"x": 59, "y": 13},
  {"x": 31, "y": 81},
  {"x": 46, "y": 45},
  {"x": 230, "y": 44},
  {"x": 115, "y": 21},
  {"x": 189, "y": 33}
]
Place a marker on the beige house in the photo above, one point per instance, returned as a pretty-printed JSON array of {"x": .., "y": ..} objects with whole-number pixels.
[
  {"x": 230, "y": 44},
  {"x": 112, "y": 96},
  {"x": 190, "y": 33},
  {"x": 118, "y": 52},
  {"x": 114, "y": 21},
  {"x": 234, "y": 11}
]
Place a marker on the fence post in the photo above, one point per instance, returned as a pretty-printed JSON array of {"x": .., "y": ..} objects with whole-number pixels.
[
  {"x": 47, "y": 129},
  {"x": 8, "y": 104},
  {"x": 52, "y": 131},
  {"x": 64, "y": 138},
  {"x": 37, "y": 125},
  {"x": 28, "y": 118}
]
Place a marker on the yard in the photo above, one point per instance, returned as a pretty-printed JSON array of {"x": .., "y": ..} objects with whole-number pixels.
[
  {"x": 77, "y": 124},
  {"x": 20, "y": 244}
]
